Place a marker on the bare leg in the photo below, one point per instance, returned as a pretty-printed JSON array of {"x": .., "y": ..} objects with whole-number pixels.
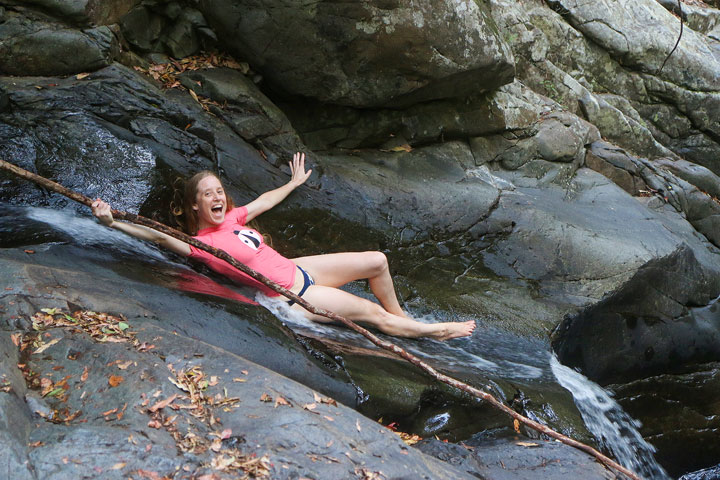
[
  {"x": 337, "y": 269},
  {"x": 370, "y": 314}
]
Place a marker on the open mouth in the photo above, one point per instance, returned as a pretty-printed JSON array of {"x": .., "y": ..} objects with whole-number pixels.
[{"x": 217, "y": 209}]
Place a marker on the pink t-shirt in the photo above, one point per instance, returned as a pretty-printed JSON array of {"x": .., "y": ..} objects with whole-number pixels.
[{"x": 246, "y": 246}]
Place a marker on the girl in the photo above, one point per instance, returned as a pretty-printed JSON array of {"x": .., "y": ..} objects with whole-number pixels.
[{"x": 211, "y": 217}]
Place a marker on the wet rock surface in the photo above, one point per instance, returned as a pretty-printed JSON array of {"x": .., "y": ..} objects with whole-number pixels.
[
  {"x": 506, "y": 458},
  {"x": 682, "y": 420},
  {"x": 466, "y": 165}
]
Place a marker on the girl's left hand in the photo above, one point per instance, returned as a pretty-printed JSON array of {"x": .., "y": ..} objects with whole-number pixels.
[{"x": 297, "y": 170}]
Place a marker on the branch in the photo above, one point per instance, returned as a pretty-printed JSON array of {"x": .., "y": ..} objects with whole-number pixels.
[
  {"x": 676, "y": 43},
  {"x": 50, "y": 185}
]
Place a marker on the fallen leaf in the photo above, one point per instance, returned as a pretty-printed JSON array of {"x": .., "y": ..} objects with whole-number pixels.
[
  {"x": 123, "y": 366},
  {"x": 80, "y": 76},
  {"x": 330, "y": 419},
  {"x": 310, "y": 406},
  {"x": 30, "y": 251},
  {"x": 194, "y": 96},
  {"x": 239, "y": 380},
  {"x": 213, "y": 380},
  {"x": 105, "y": 414},
  {"x": 216, "y": 445},
  {"x": 281, "y": 401},
  {"x": 47, "y": 345},
  {"x": 115, "y": 380},
  {"x": 265, "y": 398},
  {"x": 226, "y": 433},
  {"x": 118, "y": 466},
  {"x": 516, "y": 425},
  {"x": 149, "y": 474},
  {"x": 154, "y": 424},
  {"x": 84, "y": 375},
  {"x": 16, "y": 338},
  {"x": 162, "y": 404},
  {"x": 527, "y": 444},
  {"x": 357, "y": 424}
]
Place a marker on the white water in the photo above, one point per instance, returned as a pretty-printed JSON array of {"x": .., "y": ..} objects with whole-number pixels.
[
  {"x": 88, "y": 231},
  {"x": 614, "y": 429}
]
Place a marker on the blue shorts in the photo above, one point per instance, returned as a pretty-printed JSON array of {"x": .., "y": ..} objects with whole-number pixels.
[{"x": 307, "y": 281}]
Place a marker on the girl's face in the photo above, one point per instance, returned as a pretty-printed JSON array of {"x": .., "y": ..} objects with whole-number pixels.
[{"x": 210, "y": 202}]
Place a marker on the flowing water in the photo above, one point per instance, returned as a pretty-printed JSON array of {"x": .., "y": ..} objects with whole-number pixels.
[{"x": 490, "y": 354}]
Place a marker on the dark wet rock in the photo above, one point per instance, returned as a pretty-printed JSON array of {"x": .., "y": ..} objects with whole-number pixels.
[
  {"x": 617, "y": 165},
  {"x": 661, "y": 316},
  {"x": 245, "y": 108},
  {"x": 511, "y": 107},
  {"x": 32, "y": 45},
  {"x": 705, "y": 474},
  {"x": 366, "y": 54},
  {"x": 86, "y": 12},
  {"x": 507, "y": 458},
  {"x": 682, "y": 421},
  {"x": 166, "y": 27},
  {"x": 697, "y": 175},
  {"x": 122, "y": 441}
]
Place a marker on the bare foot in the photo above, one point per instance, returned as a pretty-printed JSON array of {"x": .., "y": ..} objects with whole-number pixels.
[{"x": 454, "y": 330}]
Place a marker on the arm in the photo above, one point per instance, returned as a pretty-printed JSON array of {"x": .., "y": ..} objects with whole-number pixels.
[
  {"x": 102, "y": 211},
  {"x": 268, "y": 200}
]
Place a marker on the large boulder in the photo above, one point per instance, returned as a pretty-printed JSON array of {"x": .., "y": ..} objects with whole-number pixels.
[
  {"x": 368, "y": 53},
  {"x": 32, "y": 44}
]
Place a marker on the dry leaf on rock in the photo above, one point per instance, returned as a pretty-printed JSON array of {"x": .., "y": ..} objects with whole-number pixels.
[{"x": 115, "y": 380}]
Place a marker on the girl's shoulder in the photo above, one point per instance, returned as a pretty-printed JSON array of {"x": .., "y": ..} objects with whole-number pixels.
[{"x": 237, "y": 215}]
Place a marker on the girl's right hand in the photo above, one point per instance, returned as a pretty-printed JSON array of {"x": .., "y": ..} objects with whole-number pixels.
[{"x": 101, "y": 210}]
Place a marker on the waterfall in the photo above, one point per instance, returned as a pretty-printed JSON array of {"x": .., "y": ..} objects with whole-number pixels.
[{"x": 614, "y": 429}]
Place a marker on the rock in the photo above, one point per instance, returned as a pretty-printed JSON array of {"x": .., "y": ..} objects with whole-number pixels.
[
  {"x": 666, "y": 303},
  {"x": 615, "y": 164},
  {"x": 704, "y": 474},
  {"x": 396, "y": 184},
  {"x": 167, "y": 28},
  {"x": 32, "y": 46},
  {"x": 258, "y": 116},
  {"x": 511, "y": 107},
  {"x": 697, "y": 175},
  {"x": 682, "y": 421},
  {"x": 587, "y": 54},
  {"x": 86, "y": 12},
  {"x": 561, "y": 138},
  {"x": 699, "y": 18},
  {"x": 366, "y": 55},
  {"x": 619, "y": 128},
  {"x": 506, "y": 458},
  {"x": 622, "y": 29}
]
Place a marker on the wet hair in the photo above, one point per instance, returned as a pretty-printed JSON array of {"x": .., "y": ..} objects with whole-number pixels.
[{"x": 182, "y": 203}]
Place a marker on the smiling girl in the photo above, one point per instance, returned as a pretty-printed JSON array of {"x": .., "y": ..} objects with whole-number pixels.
[{"x": 212, "y": 218}]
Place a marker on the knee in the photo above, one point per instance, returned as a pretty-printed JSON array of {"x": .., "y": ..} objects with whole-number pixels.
[{"x": 377, "y": 261}]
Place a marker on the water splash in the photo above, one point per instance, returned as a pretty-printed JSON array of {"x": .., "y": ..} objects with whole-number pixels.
[
  {"x": 87, "y": 231},
  {"x": 616, "y": 431}
]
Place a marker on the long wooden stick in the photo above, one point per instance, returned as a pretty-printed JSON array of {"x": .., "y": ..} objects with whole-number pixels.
[{"x": 50, "y": 185}]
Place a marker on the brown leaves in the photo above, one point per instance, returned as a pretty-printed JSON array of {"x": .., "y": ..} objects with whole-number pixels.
[
  {"x": 115, "y": 380},
  {"x": 166, "y": 73},
  {"x": 162, "y": 404}
]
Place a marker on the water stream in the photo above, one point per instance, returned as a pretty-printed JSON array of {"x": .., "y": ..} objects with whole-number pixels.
[{"x": 491, "y": 353}]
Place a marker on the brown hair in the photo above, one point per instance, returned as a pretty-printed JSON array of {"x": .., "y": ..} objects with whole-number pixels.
[{"x": 181, "y": 208}]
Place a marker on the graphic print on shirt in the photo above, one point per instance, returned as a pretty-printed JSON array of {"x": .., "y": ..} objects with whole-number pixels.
[{"x": 251, "y": 238}]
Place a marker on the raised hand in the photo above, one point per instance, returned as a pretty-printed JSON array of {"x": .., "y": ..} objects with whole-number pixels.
[{"x": 297, "y": 170}]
